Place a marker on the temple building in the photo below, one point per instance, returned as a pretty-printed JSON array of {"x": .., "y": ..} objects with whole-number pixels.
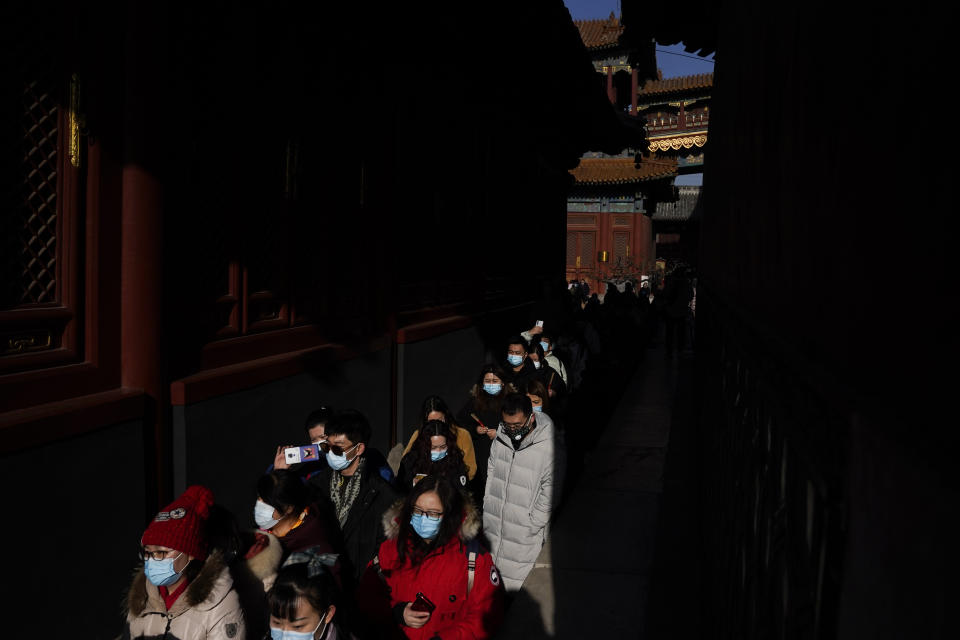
[
  {"x": 622, "y": 65},
  {"x": 677, "y": 112},
  {"x": 623, "y": 212},
  {"x": 675, "y": 225},
  {"x": 608, "y": 214}
]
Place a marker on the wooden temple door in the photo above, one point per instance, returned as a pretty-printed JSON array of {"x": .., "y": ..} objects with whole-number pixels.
[{"x": 581, "y": 256}]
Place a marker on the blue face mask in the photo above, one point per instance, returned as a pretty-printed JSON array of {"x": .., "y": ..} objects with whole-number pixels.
[
  {"x": 514, "y": 359},
  {"x": 338, "y": 463},
  {"x": 492, "y": 388},
  {"x": 546, "y": 346},
  {"x": 426, "y": 528},
  {"x": 438, "y": 455},
  {"x": 538, "y": 409},
  {"x": 263, "y": 515},
  {"x": 160, "y": 572},
  {"x": 280, "y": 634}
]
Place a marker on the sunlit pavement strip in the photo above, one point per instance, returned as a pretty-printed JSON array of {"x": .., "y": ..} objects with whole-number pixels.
[{"x": 599, "y": 553}]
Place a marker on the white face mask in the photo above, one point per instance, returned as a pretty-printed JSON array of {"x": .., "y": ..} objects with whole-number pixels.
[
  {"x": 263, "y": 515},
  {"x": 280, "y": 634},
  {"x": 339, "y": 463},
  {"x": 536, "y": 363}
]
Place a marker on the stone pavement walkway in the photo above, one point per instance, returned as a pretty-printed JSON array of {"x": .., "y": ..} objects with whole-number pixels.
[{"x": 593, "y": 575}]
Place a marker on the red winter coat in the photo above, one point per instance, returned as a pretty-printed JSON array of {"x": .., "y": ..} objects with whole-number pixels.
[{"x": 442, "y": 577}]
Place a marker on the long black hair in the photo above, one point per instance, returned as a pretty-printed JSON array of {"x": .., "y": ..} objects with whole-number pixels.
[
  {"x": 410, "y": 546},
  {"x": 293, "y": 583},
  {"x": 483, "y": 401},
  {"x": 436, "y": 403},
  {"x": 284, "y": 491},
  {"x": 536, "y": 388},
  {"x": 418, "y": 459}
]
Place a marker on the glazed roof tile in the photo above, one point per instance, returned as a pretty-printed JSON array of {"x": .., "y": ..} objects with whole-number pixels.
[
  {"x": 622, "y": 170},
  {"x": 687, "y": 205},
  {"x": 683, "y": 83},
  {"x": 600, "y": 33}
]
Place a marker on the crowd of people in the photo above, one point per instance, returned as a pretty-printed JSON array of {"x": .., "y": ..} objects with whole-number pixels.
[{"x": 348, "y": 546}]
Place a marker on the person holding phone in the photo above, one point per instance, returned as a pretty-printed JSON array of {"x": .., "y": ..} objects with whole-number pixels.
[
  {"x": 315, "y": 427},
  {"x": 434, "y": 408},
  {"x": 352, "y": 490},
  {"x": 433, "y": 453},
  {"x": 421, "y": 584}
]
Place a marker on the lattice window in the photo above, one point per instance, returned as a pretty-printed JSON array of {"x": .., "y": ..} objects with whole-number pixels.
[
  {"x": 588, "y": 247},
  {"x": 37, "y": 217},
  {"x": 621, "y": 221},
  {"x": 620, "y": 241},
  {"x": 30, "y": 222},
  {"x": 582, "y": 220},
  {"x": 571, "y": 248},
  {"x": 41, "y": 198}
]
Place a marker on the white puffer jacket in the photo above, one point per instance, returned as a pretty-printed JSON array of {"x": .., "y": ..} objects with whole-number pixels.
[{"x": 521, "y": 487}]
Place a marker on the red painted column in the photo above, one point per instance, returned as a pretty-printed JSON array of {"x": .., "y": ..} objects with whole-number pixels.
[
  {"x": 645, "y": 241},
  {"x": 604, "y": 243},
  {"x": 633, "y": 91},
  {"x": 611, "y": 94},
  {"x": 141, "y": 259},
  {"x": 637, "y": 253}
]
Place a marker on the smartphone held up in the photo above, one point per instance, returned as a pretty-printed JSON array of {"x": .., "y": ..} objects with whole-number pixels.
[{"x": 305, "y": 453}]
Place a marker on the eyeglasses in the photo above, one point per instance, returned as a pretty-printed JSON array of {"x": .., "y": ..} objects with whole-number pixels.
[
  {"x": 433, "y": 515},
  {"x": 156, "y": 555},
  {"x": 513, "y": 426},
  {"x": 337, "y": 450}
]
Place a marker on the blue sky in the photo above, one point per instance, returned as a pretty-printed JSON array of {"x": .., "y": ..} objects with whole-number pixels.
[{"x": 673, "y": 61}]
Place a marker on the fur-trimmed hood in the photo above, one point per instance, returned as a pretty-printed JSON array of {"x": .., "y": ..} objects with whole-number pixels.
[
  {"x": 265, "y": 564},
  {"x": 469, "y": 527},
  {"x": 204, "y": 592}
]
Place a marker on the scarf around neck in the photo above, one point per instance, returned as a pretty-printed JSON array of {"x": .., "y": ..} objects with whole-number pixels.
[{"x": 343, "y": 501}]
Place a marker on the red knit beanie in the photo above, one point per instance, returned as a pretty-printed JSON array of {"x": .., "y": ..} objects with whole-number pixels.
[{"x": 181, "y": 524}]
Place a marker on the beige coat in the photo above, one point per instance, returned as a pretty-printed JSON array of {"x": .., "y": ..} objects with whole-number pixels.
[{"x": 208, "y": 610}]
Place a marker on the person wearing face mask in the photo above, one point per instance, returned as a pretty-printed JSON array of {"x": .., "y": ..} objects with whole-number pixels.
[
  {"x": 285, "y": 510},
  {"x": 185, "y": 590},
  {"x": 315, "y": 427},
  {"x": 305, "y": 603},
  {"x": 546, "y": 374},
  {"x": 352, "y": 491},
  {"x": 522, "y": 484},
  {"x": 481, "y": 413},
  {"x": 519, "y": 366},
  {"x": 551, "y": 358},
  {"x": 434, "y": 408},
  {"x": 539, "y": 399},
  {"x": 434, "y": 453},
  {"x": 432, "y": 541}
]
